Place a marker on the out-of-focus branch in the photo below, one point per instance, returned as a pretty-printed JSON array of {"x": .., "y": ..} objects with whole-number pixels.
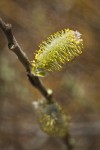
[
  {"x": 14, "y": 47},
  {"x": 67, "y": 140}
]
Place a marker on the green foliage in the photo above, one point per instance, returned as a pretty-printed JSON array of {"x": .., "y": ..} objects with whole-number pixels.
[{"x": 59, "y": 48}]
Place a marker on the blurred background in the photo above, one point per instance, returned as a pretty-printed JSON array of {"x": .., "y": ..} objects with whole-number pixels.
[{"x": 76, "y": 87}]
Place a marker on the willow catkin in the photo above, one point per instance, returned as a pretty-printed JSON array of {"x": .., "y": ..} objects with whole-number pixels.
[
  {"x": 59, "y": 48},
  {"x": 52, "y": 119}
]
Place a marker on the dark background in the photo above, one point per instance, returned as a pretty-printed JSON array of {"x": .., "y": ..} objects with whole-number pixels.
[{"x": 76, "y": 87}]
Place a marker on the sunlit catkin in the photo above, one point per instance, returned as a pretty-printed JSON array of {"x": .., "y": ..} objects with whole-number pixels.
[
  {"x": 52, "y": 119},
  {"x": 59, "y": 48}
]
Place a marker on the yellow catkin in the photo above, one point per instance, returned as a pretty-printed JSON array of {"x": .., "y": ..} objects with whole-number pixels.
[
  {"x": 52, "y": 119},
  {"x": 59, "y": 48}
]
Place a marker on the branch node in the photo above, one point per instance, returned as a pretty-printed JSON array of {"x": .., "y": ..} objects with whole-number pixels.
[
  {"x": 8, "y": 27},
  {"x": 11, "y": 46}
]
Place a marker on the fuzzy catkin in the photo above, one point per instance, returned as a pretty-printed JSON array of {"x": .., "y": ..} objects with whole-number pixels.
[
  {"x": 52, "y": 119},
  {"x": 59, "y": 48}
]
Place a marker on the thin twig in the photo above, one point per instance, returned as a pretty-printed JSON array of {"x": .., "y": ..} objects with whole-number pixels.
[
  {"x": 67, "y": 140},
  {"x": 14, "y": 47}
]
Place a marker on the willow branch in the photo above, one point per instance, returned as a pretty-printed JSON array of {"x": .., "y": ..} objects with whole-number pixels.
[
  {"x": 34, "y": 80},
  {"x": 67, "y": 140},
  {"x": 14, "y": 47}
]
